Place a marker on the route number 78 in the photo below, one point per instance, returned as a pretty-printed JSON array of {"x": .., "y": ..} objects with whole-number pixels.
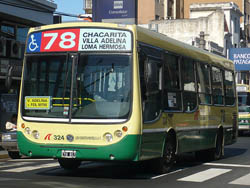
[{"x": 59, "y": 41}]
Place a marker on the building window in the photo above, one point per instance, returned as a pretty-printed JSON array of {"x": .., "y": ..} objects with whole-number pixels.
[
  {"x": 8, "y": 31},
  {"x": 22, "y": 34},
  {"x": 235, "y": 25}
]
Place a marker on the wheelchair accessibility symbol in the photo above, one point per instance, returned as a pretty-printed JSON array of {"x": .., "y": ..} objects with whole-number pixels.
[
  {"x": 33, "y": 45},
  {"x": 34, "y": 42}
]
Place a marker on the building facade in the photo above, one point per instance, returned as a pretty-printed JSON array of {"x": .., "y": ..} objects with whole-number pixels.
[
  {"x": 148, "y": 10},
  {"x": 232, "y": 15},
  {"x": 16, "y": 17},
  {"x": 244, "y": 6},
  {"x": 216, "y": 25}
]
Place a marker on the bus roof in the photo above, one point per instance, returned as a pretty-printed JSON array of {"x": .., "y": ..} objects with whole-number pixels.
[
  {"x": 153, "y": 38},
  {"x": 182, "y": 48}
]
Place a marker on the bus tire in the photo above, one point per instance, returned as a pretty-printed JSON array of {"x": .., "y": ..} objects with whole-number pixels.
[
  {"x": 69, "y": 164},
  {"x": 219, "y": 149},
  {"x": 14, "y": 154},
  {"x": 164, "y": 164},
  {"x": 214, "y": 153}
]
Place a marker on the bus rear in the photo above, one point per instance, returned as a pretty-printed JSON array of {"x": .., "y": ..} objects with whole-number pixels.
[{"x": 78, "y": 94}]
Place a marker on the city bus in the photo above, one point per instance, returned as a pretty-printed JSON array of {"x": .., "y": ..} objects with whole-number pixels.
[
  {"x": 243, "y": 91},
  {"x": 115, "y": 92}
]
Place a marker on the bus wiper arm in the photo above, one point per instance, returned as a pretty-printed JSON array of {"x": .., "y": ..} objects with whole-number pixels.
[{"x": 106, "y": 74}]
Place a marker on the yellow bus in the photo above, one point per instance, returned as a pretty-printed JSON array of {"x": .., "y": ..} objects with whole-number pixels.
[
  {"x": 113, "y": 92},
  {"x": 243, "y": 91}
]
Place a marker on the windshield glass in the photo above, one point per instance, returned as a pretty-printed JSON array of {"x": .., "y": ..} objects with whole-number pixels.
[
  {"x": 101, "y": 86},
  {"x": 244, "y": 109},
  {"x": 243, "y": 98}
]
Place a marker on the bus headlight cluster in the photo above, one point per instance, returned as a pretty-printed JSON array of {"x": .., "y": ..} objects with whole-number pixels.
[
  {"x": 108, "y": 137},
  {"x": 118, "y": 133},
  {"x": 244, "y": 121},
  {"x": 35, "y": 134},
  {"x": 27, "y": 130}
]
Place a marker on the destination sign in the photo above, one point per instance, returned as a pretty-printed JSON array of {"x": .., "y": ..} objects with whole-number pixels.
[
  {"x": 37, "y": 103},
  {"x": 87, "y": 39}
]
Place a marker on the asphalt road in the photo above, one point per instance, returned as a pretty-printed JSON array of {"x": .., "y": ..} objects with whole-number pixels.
[{"x": 233, "y": 171}]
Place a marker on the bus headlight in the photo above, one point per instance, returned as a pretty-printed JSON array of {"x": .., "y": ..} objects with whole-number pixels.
[
  {"x": 35, "y": 134},
  {"x": 118, "y": 133},
  {"x": 108, "y": 137},
  {"x": 27, "y": 130}
]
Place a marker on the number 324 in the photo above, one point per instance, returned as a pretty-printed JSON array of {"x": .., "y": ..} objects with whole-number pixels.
[{"x": 58, "y": 137}]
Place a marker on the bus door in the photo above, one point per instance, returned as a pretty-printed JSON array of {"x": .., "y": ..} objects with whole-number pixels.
[{"x": 151, "y": 92}]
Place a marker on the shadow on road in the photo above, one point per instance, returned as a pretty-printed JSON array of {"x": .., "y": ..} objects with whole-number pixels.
[
  {"x": 119, "y": 170},
  {"x": 233, "y": 152},
  {"x": 132, "y": 170}
]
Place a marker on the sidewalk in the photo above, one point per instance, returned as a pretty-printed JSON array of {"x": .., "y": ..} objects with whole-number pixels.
[{"x": 3, "y": 154}]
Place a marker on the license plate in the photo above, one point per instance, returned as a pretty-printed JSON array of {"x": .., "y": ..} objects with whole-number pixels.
[
  {"x": 244, "y": 126},
  {"x": 68, "y": 154}
]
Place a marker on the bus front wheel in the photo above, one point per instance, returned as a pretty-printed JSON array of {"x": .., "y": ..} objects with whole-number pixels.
[
  {"x": 14, "y": 154},
  {"x": 69, "y": 164}
]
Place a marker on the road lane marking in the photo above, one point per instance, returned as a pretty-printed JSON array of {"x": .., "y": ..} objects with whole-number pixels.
[
  {"x": 244, "y": 180},
  {"x": 205, "y": 175},
  {"x": 29, "y": 168},
  {"x": 14, "y": 164},
  {"x": 32, "y": 159},
  {"x": 227, "y": 165},
  {"x": 162, "y": 175},
  {"x": 10, "y": 179}
]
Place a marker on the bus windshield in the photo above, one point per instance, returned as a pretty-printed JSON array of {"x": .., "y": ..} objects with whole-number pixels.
[
  {"x": 244, "y": 98},
  {"x": 95, "y": 86}
]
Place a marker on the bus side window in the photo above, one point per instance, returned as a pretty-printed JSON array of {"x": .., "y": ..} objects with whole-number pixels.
[
  {"x": 153, "y": 95},
  {"x": 217, "y": 86},
  {"x": 150, "y": 86},
  {"x": 172, "y": 99},
  {"x": 189, "y": 84},
  {"x": 203, "y": 83},
  {"x": 229, "y": 88}
]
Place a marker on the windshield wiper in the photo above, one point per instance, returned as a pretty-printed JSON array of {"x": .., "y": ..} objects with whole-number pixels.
[{"x": 106, "y": 74}]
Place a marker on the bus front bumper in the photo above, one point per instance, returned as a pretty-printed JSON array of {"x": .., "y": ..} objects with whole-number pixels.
[
  {"x": 244, "y": 124},
  {"x": 125, "y": 150}
]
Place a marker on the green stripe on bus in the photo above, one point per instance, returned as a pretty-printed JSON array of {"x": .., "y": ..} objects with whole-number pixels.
[{"x": 126, "y": 149}]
